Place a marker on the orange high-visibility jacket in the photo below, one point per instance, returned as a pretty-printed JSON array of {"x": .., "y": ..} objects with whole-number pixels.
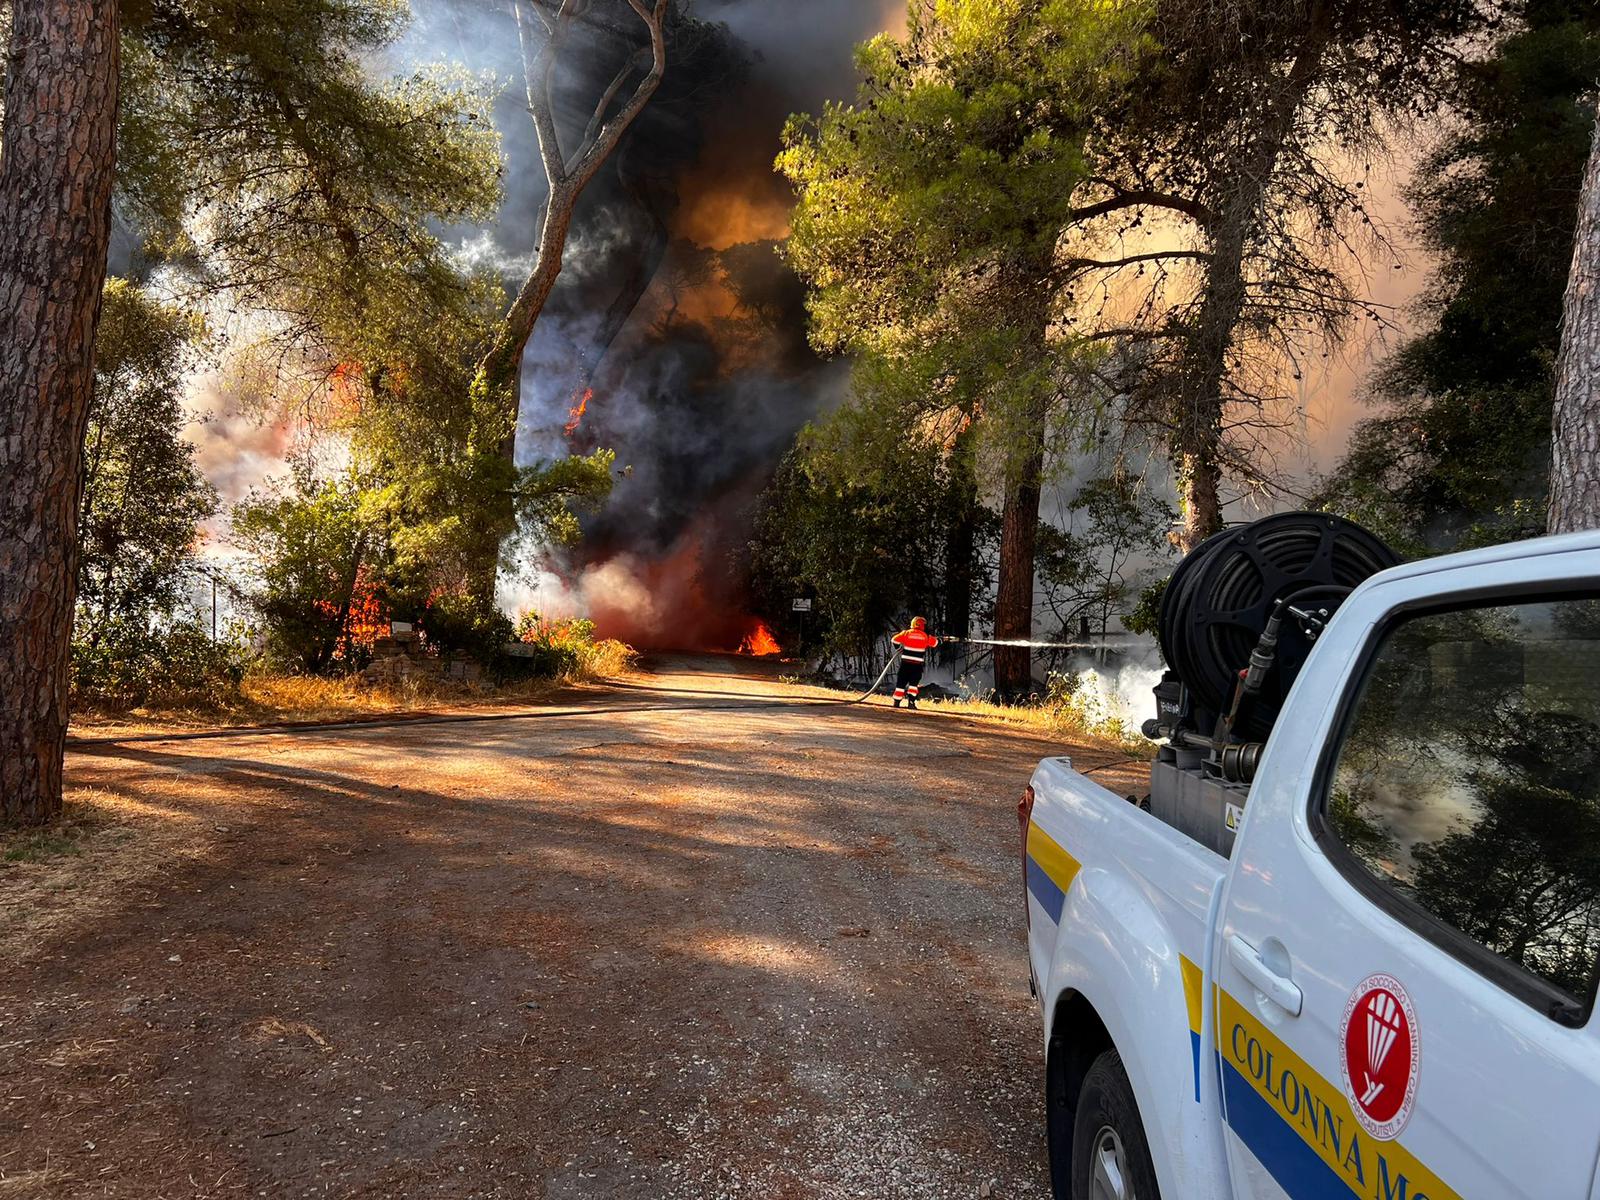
[{"x": 914, "y": 644}]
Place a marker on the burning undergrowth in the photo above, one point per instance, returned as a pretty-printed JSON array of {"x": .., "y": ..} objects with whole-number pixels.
[
  {"x": 698, "y": 409},
  {"x": 676, "y": 336}
]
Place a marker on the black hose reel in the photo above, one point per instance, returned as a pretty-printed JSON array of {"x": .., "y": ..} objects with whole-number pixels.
[{"x": 1222, "y": 599}]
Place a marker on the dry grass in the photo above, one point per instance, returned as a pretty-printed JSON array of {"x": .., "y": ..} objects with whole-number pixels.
[
  {"x": 276, "y": 1029},
  {"x": 1072, "y": 718},
  {"x": 30, "y": 1183},
  {"x": 80, "y": 821},
  {"x": 313, "y": 698},
  {"x": 267, "y": 697},
  {"x": 105, "y": 847},
  {"x": 608, "y": 659},
  {"x": 1061, "y": 720}
]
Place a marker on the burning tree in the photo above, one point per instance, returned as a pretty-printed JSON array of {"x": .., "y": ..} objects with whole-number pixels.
[{"x": 547, "y": 31}]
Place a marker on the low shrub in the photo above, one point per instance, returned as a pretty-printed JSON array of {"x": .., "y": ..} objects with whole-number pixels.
[
  {"x": 458, "y": 624},
  {"x": 125, "y": 665},
  {"x": 564, "y": 649}
]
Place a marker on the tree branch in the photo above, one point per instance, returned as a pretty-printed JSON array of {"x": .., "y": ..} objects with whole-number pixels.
[
  {"x": 538, "y": 63},
  {"x": 1142, "y": 198},
  {"x": 633, "y": 61},
  {"x": 605, "y": 139},
  {"x": 1096, "y": 264}
]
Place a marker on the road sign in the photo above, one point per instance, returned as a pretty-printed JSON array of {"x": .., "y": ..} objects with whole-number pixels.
[{"x": 801, "y": 605}]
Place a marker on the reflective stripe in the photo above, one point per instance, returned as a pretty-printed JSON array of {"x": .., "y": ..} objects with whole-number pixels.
[{"x": 908, "y": 658}]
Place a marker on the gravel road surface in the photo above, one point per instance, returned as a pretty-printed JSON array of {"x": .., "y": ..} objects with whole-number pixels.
[{"x": 689, "y": 937}]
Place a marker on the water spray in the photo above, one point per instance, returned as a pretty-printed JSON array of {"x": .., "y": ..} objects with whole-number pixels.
[{"x": 1023, "y": 642}]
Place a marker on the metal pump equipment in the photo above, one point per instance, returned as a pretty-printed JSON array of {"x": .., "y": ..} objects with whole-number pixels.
[{"x": 1237, "y": 620}]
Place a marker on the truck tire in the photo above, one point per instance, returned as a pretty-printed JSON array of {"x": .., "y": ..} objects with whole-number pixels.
[{"x": 1110, "y": 1156}]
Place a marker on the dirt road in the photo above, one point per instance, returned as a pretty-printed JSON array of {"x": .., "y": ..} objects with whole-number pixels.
[{"x": 688, "y": 938}]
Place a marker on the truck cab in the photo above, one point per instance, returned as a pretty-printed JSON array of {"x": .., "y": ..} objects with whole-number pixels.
[{"x": 1366, "y": 965}]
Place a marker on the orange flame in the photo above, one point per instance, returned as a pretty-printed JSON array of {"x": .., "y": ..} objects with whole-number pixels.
[
  {"x": 575, "y": 415},
  {"x": 344, "y": 386},
  {"x": 760, "y": 642},
  {"x": 367, "y": 619}
]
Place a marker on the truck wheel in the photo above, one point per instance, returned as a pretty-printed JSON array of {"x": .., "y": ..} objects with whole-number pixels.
[{"x": 1110, "y": 1156}]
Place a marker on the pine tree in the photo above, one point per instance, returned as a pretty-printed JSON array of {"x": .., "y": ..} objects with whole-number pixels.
[
  {"x": 1575, "y": 446},
  {"x": 57, "y": 162}
]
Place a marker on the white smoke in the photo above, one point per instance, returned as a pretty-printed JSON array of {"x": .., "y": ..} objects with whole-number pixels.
[
  {"x": 1120, "y": 693},
  {"x": 616, "y": 584}
]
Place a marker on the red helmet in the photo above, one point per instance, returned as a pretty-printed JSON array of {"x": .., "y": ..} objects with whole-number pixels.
[{"x": 919, "y": 622}]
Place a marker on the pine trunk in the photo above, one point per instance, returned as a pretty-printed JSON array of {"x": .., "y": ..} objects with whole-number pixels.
[
  {"x": 1575, "y": 428},
  {"x": 57, "y": 154},
  {"x": 1198, "y": 423},
  {"x": 1013, "y": 607}
]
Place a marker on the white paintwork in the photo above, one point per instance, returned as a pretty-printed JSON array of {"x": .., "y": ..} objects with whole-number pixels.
[
  {"x": 1142, "y": 899},
  {"x": 1508, "y": 1101}
]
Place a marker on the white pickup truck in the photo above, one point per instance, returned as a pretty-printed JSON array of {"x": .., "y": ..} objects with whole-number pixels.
[{"x": 1379, "y": 982}]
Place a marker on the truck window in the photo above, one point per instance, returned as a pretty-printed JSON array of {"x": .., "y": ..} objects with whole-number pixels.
[{"x": 1467, "y": 784}]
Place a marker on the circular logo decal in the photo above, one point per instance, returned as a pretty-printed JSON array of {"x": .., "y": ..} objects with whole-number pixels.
[{"x": 1381, "y": 1053}]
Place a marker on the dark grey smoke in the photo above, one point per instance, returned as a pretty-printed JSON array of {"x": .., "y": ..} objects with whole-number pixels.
[{"x": 704, "y": 385}]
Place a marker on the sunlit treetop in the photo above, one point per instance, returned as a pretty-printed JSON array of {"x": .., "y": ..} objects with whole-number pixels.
[{"x": 260, "y": 149}]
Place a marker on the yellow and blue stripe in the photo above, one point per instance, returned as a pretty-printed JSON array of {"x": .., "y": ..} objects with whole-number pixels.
[
  {"x": 1193, "y": 992},
  {"x": 1300, "y": 1126},
  {"x": 1050, "y": 871}
]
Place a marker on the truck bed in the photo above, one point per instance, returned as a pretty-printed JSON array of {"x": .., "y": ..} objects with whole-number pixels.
[
  {"x": 1080, "y": 826},
  {"x": 1120, "y": 908},
  {"x": 1201, "y": 806}
]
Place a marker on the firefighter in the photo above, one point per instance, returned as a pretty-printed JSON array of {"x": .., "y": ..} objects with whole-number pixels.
[{"x": 914, "y": 645}]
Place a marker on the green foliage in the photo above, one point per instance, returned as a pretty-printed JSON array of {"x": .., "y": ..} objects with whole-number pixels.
[
  {"x": 265, "y": 159},
  {"x": 144, "y": 497},
  {"x": 257, "y": 149},
  {"x": 550, "y": 649},
  {"x": 430, "y": 432},
  {"x": 1458, "y": 453},
  {"x": 313, "y": 548},
  {"x": 962, "y": 150},
  {"x": 869, "y": 553},
  {"x": 466, "y": 624},
  {"x": 929, "y": 209},
  {"x": 1145, "y": 619},
  {"x": 1086, "y": 569},
  {"x": 129, "y": 664}
]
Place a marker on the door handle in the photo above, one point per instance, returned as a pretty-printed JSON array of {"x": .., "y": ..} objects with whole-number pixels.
[{"x": 1277, "y": 987}]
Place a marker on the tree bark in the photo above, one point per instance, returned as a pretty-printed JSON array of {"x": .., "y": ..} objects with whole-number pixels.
[
  {"x": 1575, "y": 424},
  {"x": 1198, "y": 423},
  {"x": 500, "y": 370},
  {"x": 1013, "y": 606},
  {"x": 643, "y": 264},
  {"x": 960, "y": 543},
  {"x": 57, "y": 157}
]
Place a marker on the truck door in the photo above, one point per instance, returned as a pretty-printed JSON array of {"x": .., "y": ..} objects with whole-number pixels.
[{"x": 1407, "y": 948}]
